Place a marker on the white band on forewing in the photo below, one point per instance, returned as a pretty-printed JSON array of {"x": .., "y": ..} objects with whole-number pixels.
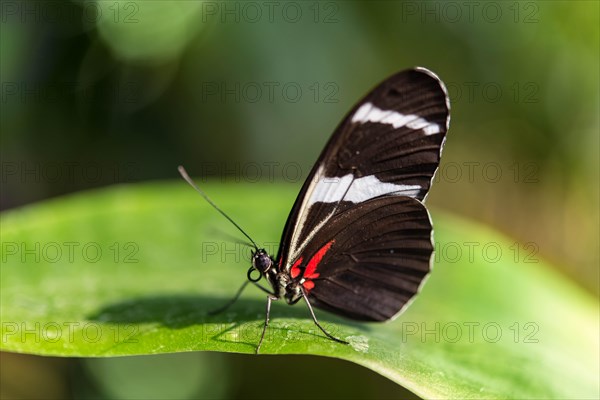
[
  {"x": 369, "y": 113},
  {"x": 332, "y": 190},
  {"x": 346, "y": 188}
]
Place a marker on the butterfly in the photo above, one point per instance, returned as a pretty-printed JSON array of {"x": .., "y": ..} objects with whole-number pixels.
[{"x": 358, "y": 241}]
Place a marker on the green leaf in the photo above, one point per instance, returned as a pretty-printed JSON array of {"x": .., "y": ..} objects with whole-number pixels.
[{"x": 134, "y": 269}]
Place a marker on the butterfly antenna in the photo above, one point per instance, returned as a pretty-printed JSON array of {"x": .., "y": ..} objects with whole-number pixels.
[
  {"x": 233, "y": 238},
  {"x": 187, "y": 178}
]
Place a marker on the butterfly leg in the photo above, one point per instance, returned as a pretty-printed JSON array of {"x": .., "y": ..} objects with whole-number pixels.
[
  {"x": 237, "y": 296},
  {"x": 270, "y": 298},
  {"x": 264, "y": 289},
  {"x": 230, "y": 303},
  {"x": 317, "y": 322}
]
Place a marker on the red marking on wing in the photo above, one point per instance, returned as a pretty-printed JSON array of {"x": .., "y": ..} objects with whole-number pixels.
[
  {"x": 309, "y": 272},
  {"x": 295, "y": 271},
  {"x": 308, "y": 285}
]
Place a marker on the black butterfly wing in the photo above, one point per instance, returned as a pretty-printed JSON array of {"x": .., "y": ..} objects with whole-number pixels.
[
  {"x": 389, "y": 144},
  {"x": 372, "y": 261}
]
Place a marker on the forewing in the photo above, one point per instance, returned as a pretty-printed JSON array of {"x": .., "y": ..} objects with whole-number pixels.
[
  {"x": 370, "y": 260},
  {"x": 389, "y": 144}
]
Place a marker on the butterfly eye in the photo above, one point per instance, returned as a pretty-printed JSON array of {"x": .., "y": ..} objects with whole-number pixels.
[{"x": 261, "y": 261}]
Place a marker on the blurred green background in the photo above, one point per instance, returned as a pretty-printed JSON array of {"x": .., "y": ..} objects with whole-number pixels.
[{"x": 96, "y": 93}]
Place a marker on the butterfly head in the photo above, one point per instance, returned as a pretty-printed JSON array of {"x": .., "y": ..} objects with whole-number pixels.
[{"x": 261, "y": 261}]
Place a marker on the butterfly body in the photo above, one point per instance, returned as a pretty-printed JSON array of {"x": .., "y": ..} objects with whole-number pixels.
[{"x": 284, "y": 285}]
